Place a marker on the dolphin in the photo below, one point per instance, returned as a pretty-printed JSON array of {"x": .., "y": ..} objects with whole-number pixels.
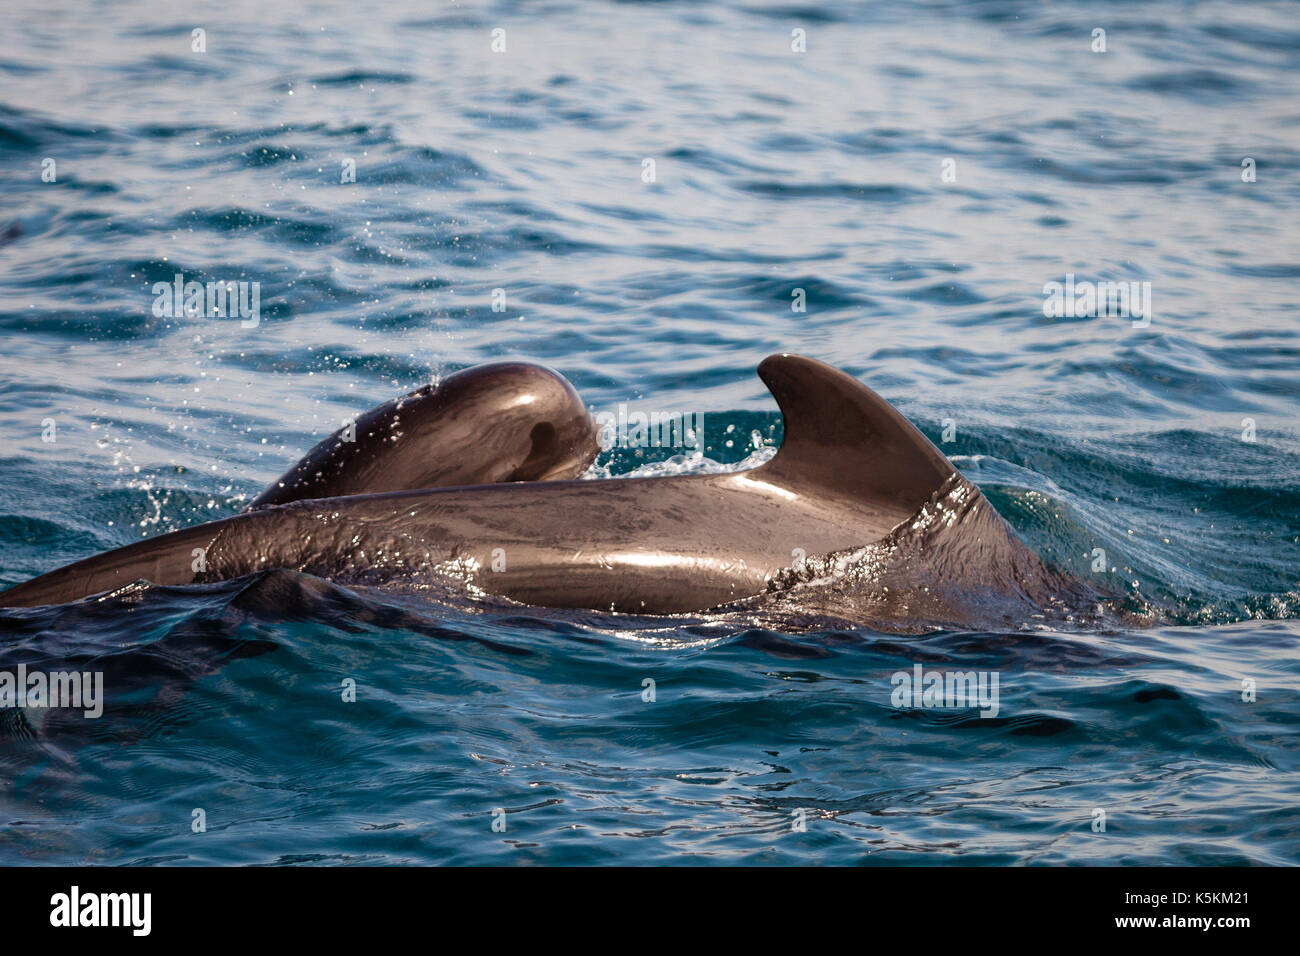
[
  {"x": 857, "y": 516},
  {"x": 509, "y": 421}
]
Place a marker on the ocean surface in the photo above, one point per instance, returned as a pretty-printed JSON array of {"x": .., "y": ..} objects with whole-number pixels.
[{"x": 1158, "y": 459}]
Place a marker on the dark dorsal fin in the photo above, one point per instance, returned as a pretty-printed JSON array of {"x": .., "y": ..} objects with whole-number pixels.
[{"x": 845, "y": 439}]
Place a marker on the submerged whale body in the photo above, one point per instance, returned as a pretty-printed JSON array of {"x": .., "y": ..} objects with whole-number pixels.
[{"x": 858, "y": 517}]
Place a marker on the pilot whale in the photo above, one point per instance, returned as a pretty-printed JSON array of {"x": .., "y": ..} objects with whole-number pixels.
[{"x": 857, "y": 517}]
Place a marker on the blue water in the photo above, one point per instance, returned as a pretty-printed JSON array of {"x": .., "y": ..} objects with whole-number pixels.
[{"x": 774, "y": 171}]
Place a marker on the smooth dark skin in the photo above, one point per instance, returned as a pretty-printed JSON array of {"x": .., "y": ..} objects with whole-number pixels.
[
  {"x": 503, "y": 422},
  {"x": 851, "y": 472},
  {"x": 510, "y": 421}
]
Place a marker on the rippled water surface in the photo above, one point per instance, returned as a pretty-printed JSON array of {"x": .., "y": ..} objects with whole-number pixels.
[{"x": 774, "y": 171}]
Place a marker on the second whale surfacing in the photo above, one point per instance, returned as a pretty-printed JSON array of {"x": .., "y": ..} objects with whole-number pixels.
[{"x": 858, "y": 519}]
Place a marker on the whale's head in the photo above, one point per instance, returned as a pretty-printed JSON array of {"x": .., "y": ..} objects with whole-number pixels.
[
  {"x": 532, "y": 402},
  {"x": 509, "y": 421}
]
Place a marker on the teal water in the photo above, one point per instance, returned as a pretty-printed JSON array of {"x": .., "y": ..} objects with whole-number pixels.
[{"x": 775, "y": 171}]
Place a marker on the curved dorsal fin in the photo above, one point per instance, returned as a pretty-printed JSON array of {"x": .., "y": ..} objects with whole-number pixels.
[{"x": 845, "y": 439}]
